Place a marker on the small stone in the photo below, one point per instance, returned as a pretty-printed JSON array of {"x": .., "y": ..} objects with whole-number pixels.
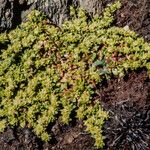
[{"x": 7, "y": 136}]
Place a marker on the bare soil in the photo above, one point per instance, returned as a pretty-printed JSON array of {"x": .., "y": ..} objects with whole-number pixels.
[
  {"x": 136, "y": 15},
  {"x": 128, "y": 103},
  {"x": 126, "y": 99}
]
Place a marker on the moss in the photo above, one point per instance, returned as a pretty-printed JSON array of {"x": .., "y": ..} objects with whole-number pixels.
[{"x": 46, "y": 72}]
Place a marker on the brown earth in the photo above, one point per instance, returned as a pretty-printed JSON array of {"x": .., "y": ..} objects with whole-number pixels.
[
  {"x": 135, "y": 14},
  {"x": 126, "y": 99},
  {"x": 128, "y": 103}
]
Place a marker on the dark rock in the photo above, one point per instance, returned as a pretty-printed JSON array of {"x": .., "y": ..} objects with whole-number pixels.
[
  {"x": 12, "y": 12},
  {"x": 135, "y": 14},
  {"x": 6, "y": 14},
  {"x": 8, "y": 136},
  {"x": 58, "y": 10}
]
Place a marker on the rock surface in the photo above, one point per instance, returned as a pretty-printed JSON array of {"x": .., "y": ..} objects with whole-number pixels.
[
  {"x": 135, "y": 14},
  {"x": 12, "y": 12}
]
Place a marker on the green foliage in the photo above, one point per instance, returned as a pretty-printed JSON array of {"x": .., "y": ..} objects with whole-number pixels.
[{"x": 46, "y": 72}]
